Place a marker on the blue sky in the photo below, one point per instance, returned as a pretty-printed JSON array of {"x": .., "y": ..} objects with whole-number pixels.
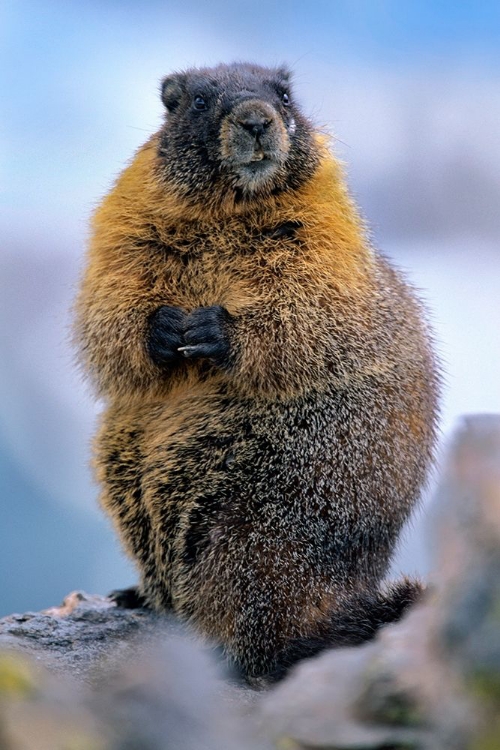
[{"x": 400, "y": 32}]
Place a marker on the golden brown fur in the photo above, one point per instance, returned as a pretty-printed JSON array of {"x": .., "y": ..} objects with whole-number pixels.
[{"x": 259, "y": 498}]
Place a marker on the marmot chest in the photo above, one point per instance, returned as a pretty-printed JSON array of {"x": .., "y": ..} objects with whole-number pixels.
[{"x": 210, "y": 266}]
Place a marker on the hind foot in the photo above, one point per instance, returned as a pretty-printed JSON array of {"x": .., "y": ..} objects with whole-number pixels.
[{"x": 130, "y": 598}]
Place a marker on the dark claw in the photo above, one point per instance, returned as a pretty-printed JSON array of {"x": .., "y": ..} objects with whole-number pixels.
[{"x": 211, "y": 351}]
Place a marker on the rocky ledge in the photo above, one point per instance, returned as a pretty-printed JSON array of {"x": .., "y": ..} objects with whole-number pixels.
[{"x": 89, "y": 676}]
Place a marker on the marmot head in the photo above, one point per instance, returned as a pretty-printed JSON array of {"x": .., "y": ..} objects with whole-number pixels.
[{"x": 234, "y": 129}]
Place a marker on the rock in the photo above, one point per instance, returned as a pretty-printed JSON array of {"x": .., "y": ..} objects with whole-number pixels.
[
  {"x": 90, "y": 675},
  {"x": 42, "y": 711},
  {"x": 174, "y": 696},
  {"x": 468, "y": 560},
  {"x": 73, "y": 637},
  {"x": 115, "y": 680},
  {"x": 362, "y": 697}
]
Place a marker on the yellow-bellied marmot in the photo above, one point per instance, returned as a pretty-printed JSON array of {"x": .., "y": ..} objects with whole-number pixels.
[{"x": 270, "y": 384}]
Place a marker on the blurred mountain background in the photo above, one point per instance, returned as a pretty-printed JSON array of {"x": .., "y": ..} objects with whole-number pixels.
[{"x": 409, "y": 89}]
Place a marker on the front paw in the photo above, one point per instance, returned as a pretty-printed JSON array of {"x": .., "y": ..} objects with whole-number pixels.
[
  {"x": 207, "y": 334},
  {"x": 165, "y": 334}
]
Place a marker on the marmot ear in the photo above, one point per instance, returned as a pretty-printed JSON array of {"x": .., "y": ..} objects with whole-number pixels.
[
  {"x": 284, "y": 74},
  {"x": 172, "y": 88}
]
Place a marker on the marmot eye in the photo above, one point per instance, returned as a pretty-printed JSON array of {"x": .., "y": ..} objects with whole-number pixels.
[
  {"x": 285, "y": 99},
  {"x": 200, "y": 102}
]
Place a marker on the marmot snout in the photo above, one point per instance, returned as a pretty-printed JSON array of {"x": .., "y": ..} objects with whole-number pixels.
[{"x": 254, "y": 143}]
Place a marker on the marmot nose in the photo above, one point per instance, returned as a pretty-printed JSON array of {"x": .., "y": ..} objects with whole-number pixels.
[{"x": 255, "y": 125}]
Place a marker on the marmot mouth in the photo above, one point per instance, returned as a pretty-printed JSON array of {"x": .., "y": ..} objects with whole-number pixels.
[
  {"x": 259, "y": 155},
  {"x": 265, "y": 163},
  {"x": 259, "y": 159},
  {"x": 256, "y": 175},
  {"x": 254, "y": 158},
  {"x": 257, "y": 163}
]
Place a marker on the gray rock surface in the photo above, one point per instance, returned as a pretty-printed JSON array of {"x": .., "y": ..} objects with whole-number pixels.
[
  {"x": 118, "y": 679},
  {"x": 90, "y": 676},
  {"x": 73, "y": 637},
  {"x": 361, "y": 697}
]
